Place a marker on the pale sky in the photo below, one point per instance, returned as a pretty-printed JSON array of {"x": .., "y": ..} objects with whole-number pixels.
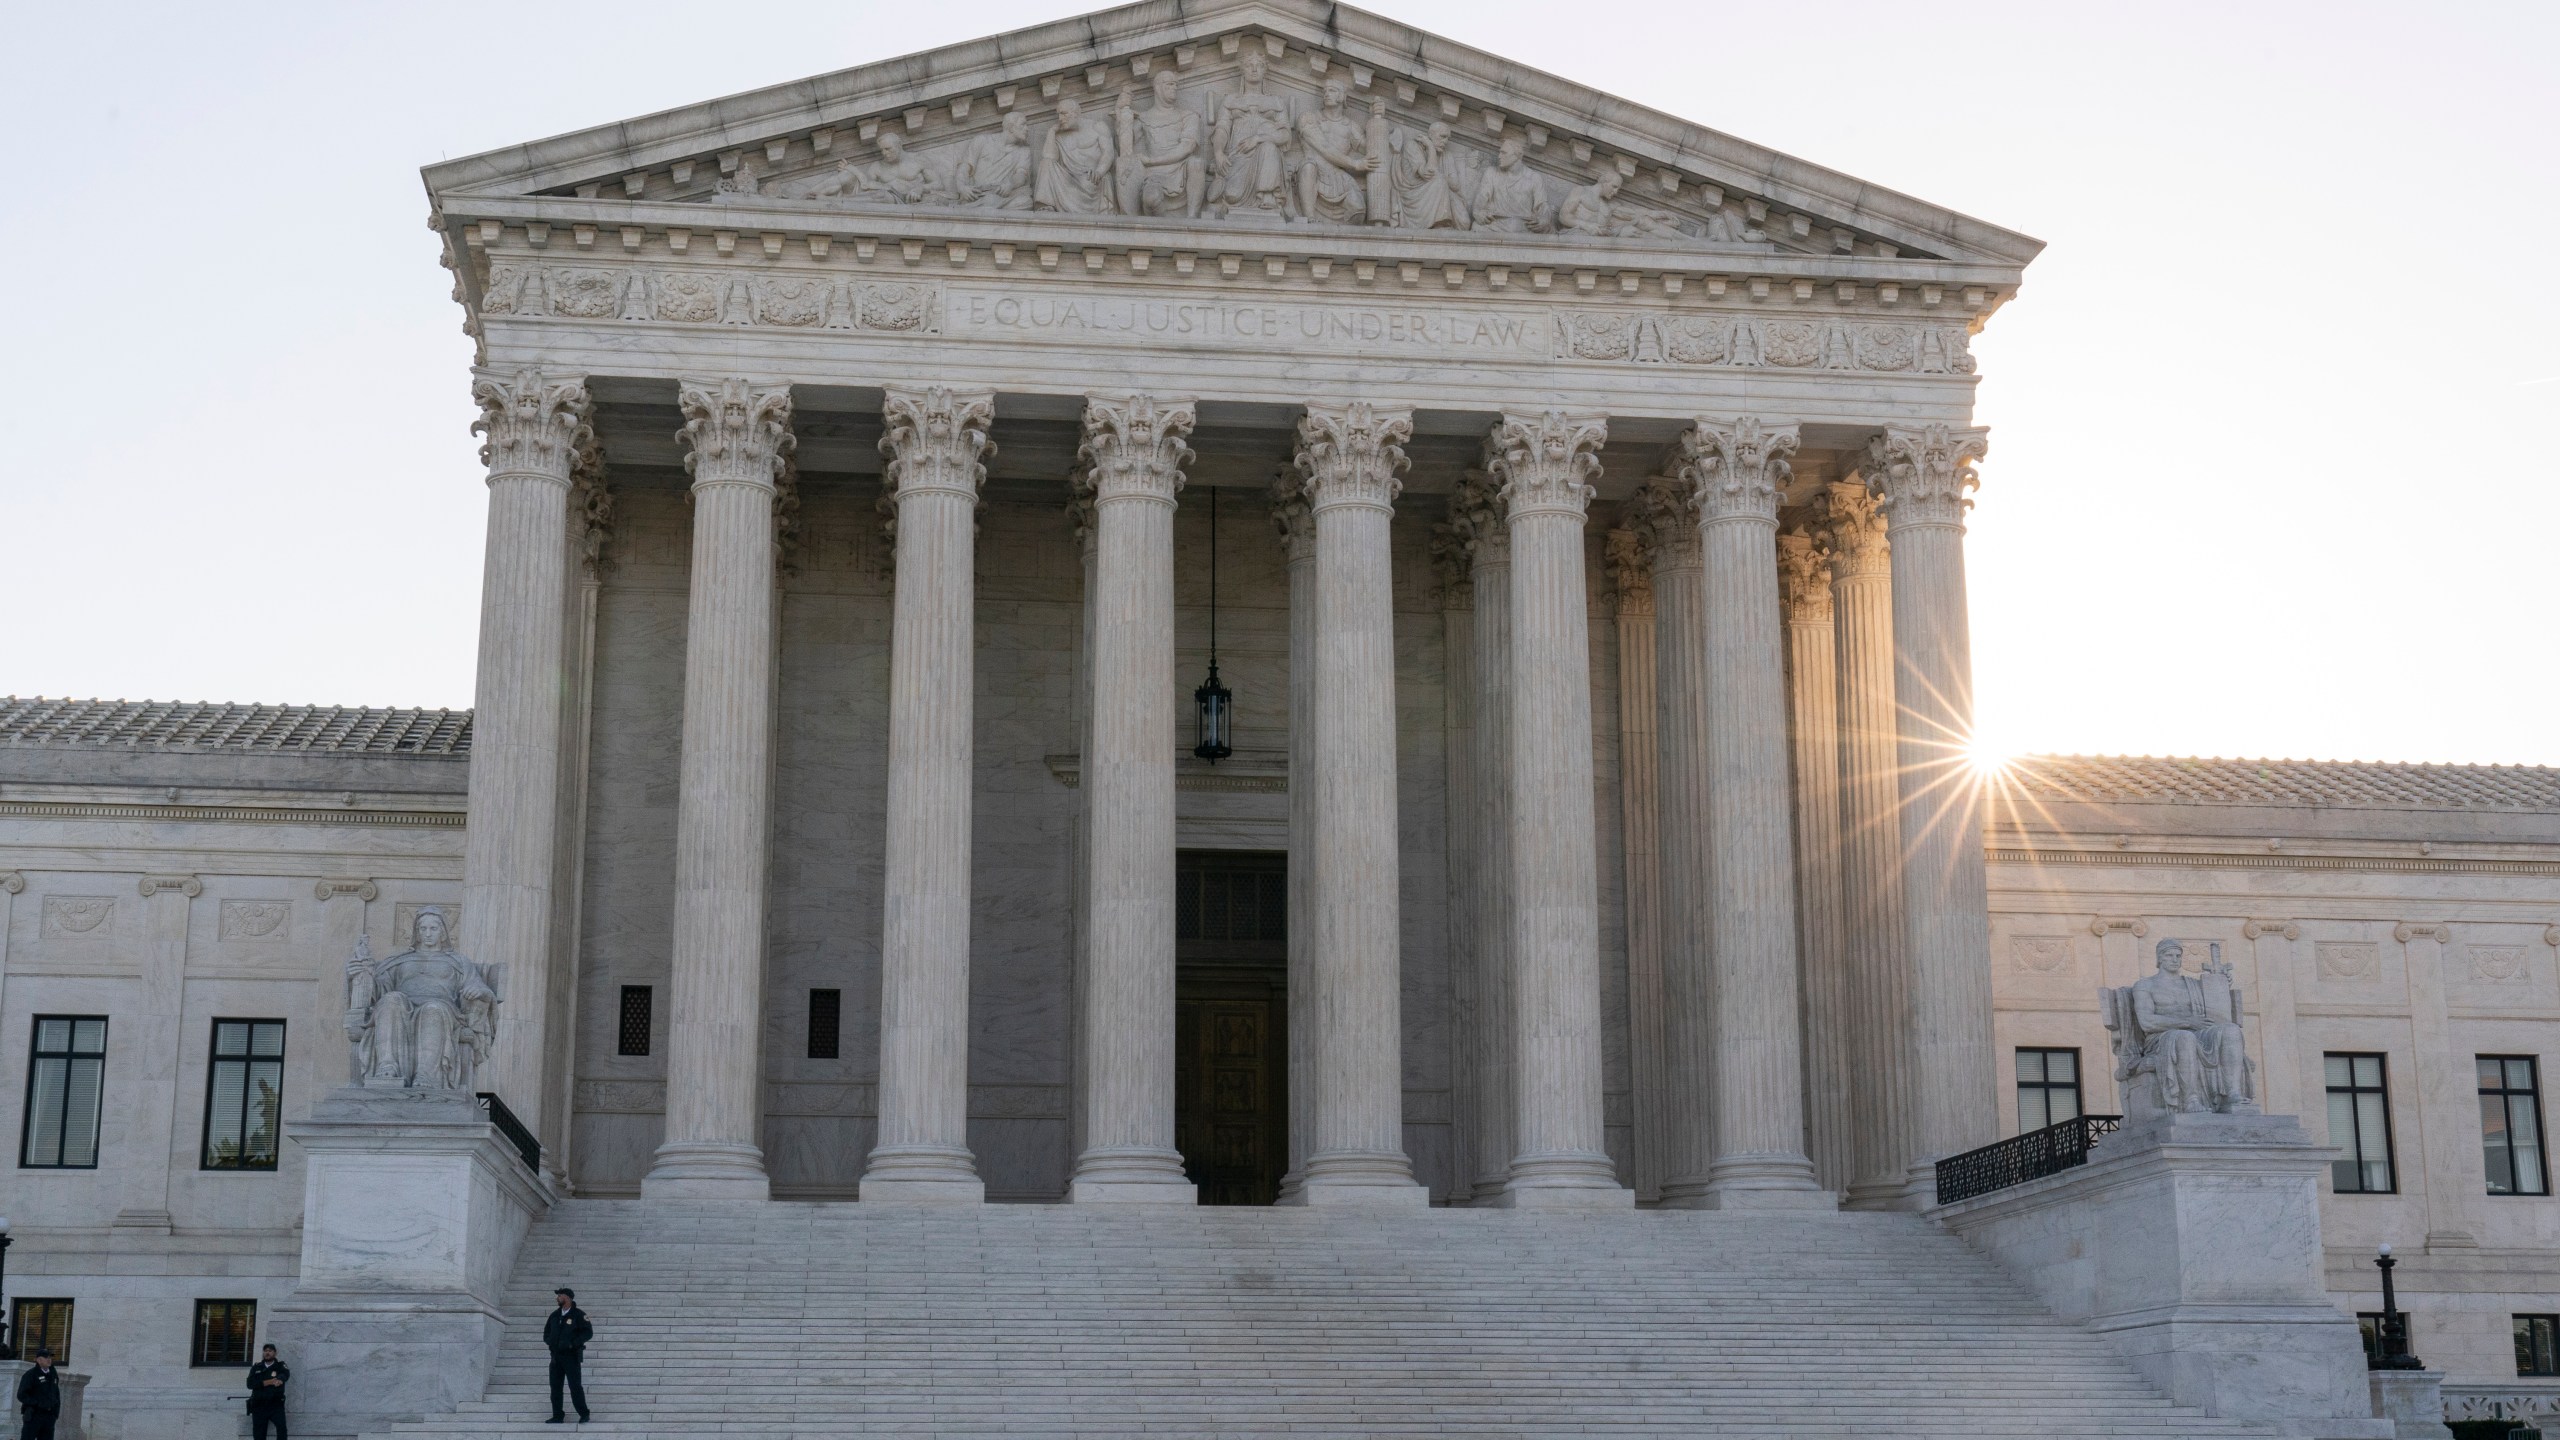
[{"x": 2275, "y": 420}]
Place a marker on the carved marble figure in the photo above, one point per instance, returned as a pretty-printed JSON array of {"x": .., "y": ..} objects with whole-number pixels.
[
  {"x": 1593, "y": 209},
  {"x": 2177, "y": 1038},
  {"x": 1164, "y": 161},
  {"x": 1252, "y": 129},
  {"x": 423, "y": 1019},
  {"x": 1333, "y": 184},
  {"x": 900, "y": 178},
  {"x": 996, "y": 172},
  {"x": 1429, "y": 185},
  {"x": 1075, "y": 172},
  {"x": 1510, "y": 197}
]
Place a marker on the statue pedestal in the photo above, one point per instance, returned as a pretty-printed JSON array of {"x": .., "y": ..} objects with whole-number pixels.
[
  {"x": 2192, "y": 1243},
  {"x": 66, "y": 1426},
  {"x": 413, "y": 1208},
  {"x": 2413, "y": 1401}
]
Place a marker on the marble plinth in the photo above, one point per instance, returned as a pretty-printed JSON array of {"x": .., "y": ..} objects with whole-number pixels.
[{"x": 2413, "y": 1401}]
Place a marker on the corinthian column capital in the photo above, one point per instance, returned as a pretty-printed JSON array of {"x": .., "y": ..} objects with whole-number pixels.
[
  {"x": 1852, "y": 521},
  {"x": 1351, "y": 454},
  {"x": 735, "y": 433},
  {"x": 1738, "y": 467},
  {"x": 1925, "y": 475},
  {"x": 1133, "y": 446},
  {"x": 1292, "y": 517},
  {"x": 1545, "y": 463},
  {"x": 1631, "y": 571},
  {"x": 536, "y": 426},
  {"x": 1804, "y": 577},
  {"x": 936, "y": 440},
  {"x": 1663, "y": 512},
  {"x": 1476, "y": 520}
]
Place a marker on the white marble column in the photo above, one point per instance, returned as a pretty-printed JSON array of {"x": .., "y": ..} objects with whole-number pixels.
[
  {"x": 591, "y": 529},
  {"x": 1545, "y": 463},
  {"x": 2446, "y": 1151},
  {"x": 1640, "y": 828},
  {"x": 537, "y": 434},
  {"x": 1922, "y": 476},
  {"x": 1739, "y": 468},
  {"x": 1886, "y": 1130},
  {"x": 1133, "y": 446},
  {"x": 1666, "y": 511},
  {"x": 1462, "y": 872},
  {"x": 2280, "y": 1059},
  {"x": 1476, "y": 518},
  {"x": 1296, "y": 525},
  {"x": 1804, "y": 588},
  {"x": 936, "y": 444},
  {"x": 1348, "y": 459},
  {"x": 737, "y": 436}
]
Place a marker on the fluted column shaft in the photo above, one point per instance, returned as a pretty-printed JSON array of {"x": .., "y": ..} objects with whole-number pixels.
[
  {"x": 1804, "y": 577},
  {"x": 1133, "y": 444},
  {"x": 1923, "y": 477},
  {"x": 1477, "y": 512},
  {"x": 538, "y": 433},
  {"x": 1545, "y": 463},
  {"x": 1640, "y": 827},
  {"x": 1739, "y": 469},
  {"x": 935, "y": 442},
  {"x": 739, "y": 438},
  {"x": 1670, "y": 519},
  {"x": 1297, "y": 527},
  {"x": 1349, "y": 456},
  {"x": 1886, "y": 1133},
  {"x": 1463, "y": 873}
]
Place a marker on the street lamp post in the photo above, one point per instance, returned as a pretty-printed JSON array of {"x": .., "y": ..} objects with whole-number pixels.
[
  {"x": 2391, "y": 1348},
  {"x": 7, "y": 1350}
]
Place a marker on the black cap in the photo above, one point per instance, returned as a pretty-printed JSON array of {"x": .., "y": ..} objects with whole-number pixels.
[
  {"x": 269, "y": 1346},
  {"x": 565, "y": 1290},
  {"x": 42, "y": 1353}
]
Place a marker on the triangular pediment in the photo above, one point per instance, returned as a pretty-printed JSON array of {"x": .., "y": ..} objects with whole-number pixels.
[{"x": 1262, "y": 92}]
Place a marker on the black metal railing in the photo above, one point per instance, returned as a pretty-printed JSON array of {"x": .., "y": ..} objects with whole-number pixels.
[
  {"x": 2022, "y": 1158},
  {"x": 527, "y": 1148}
]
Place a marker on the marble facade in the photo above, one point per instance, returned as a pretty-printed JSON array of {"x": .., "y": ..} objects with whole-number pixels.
[{"x": 847, "y": 572}]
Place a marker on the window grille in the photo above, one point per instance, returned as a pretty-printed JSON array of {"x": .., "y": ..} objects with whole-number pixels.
[
  {"x": 826, "y": 1020},
  {"x": 636, "y": 1010}
]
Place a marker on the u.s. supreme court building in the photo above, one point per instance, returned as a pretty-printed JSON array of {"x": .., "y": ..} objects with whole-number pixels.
[{"x": 1224, "y": 719}]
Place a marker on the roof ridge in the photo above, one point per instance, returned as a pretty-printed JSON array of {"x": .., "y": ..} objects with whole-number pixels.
[{"x": 234, "y": 725}]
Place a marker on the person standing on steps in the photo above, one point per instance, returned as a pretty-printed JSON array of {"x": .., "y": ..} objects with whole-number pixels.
[
  {"x": 566, "y": 1334},
  {"x": 40, "y": 1397},
  {"x": 266, "y": 1393}
]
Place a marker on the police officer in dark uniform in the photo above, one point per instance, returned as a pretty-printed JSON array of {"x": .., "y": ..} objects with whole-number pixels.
[
  {"x": 40, "y": 1397},
  {"x": 566, "y": 1334},
  {"x": 266, "y": 1393}
]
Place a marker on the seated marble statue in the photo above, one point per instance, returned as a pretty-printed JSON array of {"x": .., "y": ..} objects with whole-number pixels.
[
  {"x": 2177, "y": 1039},
  {"x": 423, "y": 1019},
  {"x": 1593, "y": 209}
]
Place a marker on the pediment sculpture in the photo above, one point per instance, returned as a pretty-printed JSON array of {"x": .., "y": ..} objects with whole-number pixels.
[
  {"x": 1249, "y": 151},
  {"x": 422, "y": 1020},
  {"x": 2178, "y": 1043}
]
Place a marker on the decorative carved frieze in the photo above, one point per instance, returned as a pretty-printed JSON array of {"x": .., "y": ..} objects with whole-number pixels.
[
  {"x": 1738, "y": 466},
  {"x": 268, "y": 921},
  {"x": 735, "y": 432},
  {"x": 1804, "y": 577},
  {"x": 1925, "y": 475},
  {"x": 78, "y": 915},
  {"x": 1351, "y": 454},
  {"x": 535, "y": 426},
  {"x": 1546, "y": 462},
  {"x": 781, "y": 299},
  {"x": 1663, "y": 337},
  {"x": 1133, "y": 445}
]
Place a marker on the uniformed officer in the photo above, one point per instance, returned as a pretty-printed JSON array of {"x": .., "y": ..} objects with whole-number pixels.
[
  {"x": 40, "y": 1397},
  {"x": 266, "y": 1393},
  {"x": 566, "y": 1333}
]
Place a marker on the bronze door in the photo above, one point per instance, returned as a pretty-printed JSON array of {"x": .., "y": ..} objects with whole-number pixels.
[{"x": 1231, "y": 1068}]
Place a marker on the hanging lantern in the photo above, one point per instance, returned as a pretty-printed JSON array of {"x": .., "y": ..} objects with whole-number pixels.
[{"x": 1213, "y": 704}]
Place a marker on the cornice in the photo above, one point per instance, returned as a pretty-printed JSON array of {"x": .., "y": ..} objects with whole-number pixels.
[{"x": 2238, "y": 860}]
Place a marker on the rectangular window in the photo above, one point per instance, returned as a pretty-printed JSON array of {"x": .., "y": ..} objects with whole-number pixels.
[
  {"x": 634, "y": 1039},
  {"x": 2511, "y": 1125},
  {"x": 244, "y": 1095},
  {"x": 2538, "y": 1344},
  {"x": 66, "y": 1076},
  {"x": 2360, "y": 1126},
  {"x": 826, "y": 1020},
  {"x": 2048, "y": 1087},
  {"x": 226, "y": 1332},
  {"x": 34, "y": 1322}
]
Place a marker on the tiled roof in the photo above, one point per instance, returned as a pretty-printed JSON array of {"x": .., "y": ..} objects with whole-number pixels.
[
  {"x": 180, "y": 725},
  {"x": 2139, "y": 779}
]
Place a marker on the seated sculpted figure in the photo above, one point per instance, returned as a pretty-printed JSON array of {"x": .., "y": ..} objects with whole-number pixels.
[
  {"x": 996, "y": 173},
  {"x": 2177, "y": 1039},
  {"x": 423, "y": 1019}
]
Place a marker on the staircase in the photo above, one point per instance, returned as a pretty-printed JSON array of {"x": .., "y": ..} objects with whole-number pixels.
[{"x": 801, "y": 1321}]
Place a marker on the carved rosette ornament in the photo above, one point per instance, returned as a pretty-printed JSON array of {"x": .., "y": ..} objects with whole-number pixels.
[
  {"x": 1925, "y": 476},
  {"x": 936, "y": 440},
  {"x": 735, "y": 433},
  {"x": 1738, "y": 467},
  {"x": 1292, "y": 518},
  {"x": 1663, "y": 512},
  {"x": 1133, "y": 446},
  {"x": 535, "y": 426},
  {"x": 1804, "y": 577},
  {"x": 1630, "y": 572},
  {"x": 1351, "y": 454},
  {"x": 1853, "y": 530},
  {"x": 1545, "y": 463}
]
